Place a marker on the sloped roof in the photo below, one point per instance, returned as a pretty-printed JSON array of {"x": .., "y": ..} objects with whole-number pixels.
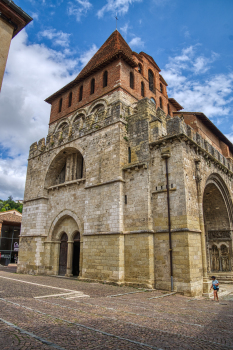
[
  {"x": 162, "y": 79},
  {"x": 208, "y": 123},
  {"x": 175, "y": 104},
  {"x": 113, "y": 47},
  {"x": 151, "y": 60},
  {"x": 11, "y": 216}
]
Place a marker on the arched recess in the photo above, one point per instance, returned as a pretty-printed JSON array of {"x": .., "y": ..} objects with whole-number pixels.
[
  {"x": 218, "y": 217},
  {"x": 79, "y": 121},
  {"x": 55, "y": 232},
  {"x": 62, "y": 125},
  {"x": 65, "y": 233},
  {"x": 67, "y": 165},
  {"x": 96, "y": 103}
]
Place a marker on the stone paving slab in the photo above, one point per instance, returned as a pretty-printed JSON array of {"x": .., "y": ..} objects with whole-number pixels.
[{"x": 129, "y": 321}]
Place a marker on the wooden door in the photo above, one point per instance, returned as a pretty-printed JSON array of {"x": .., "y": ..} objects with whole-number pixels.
[
  {"x": 63, "y": 254},
  {"x": 76, "y": 255}
]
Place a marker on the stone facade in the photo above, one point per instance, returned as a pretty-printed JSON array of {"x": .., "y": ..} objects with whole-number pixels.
[
  {"x": 12, "y": 20},
  {"x": 97, "y": 190}
]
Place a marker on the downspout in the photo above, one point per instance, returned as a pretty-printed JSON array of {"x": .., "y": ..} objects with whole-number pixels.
[{"x": 166, "y": 155}]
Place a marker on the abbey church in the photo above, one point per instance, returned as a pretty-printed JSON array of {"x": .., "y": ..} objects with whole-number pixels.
[{"x": 126, "y": 188}]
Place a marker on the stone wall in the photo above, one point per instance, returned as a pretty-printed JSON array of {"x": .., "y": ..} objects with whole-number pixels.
[{"x": 119, "y": 206}]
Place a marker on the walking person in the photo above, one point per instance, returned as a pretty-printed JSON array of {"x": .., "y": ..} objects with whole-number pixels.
[{"x": 215, "y": 286}]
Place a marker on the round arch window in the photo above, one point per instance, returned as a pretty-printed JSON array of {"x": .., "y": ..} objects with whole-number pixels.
[{"x": 153, "y": 100}]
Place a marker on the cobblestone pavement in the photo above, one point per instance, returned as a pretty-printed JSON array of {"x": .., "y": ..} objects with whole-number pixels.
[{"x": 40, "y": 312}]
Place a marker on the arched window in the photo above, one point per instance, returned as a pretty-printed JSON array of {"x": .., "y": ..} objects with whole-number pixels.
[
  {"x": 92, "y": 86},
  {"x": 153, "y": 100},
  {"x": 81, "y": 93},
  {"x": 140, "y": 68},
  {"x": 131, "y": 80},
  {"x": 70, "y": 99},
  {"x": 142, "y": 89},
  {"x": 60, "y": 105},
  {"x": 168, "y": 109},
  {"x": 151, "y": 80},
  {"x": 105, "y": 79},
  {"x": 161, "y": 103},
  {"x": 161, "y": 87}
]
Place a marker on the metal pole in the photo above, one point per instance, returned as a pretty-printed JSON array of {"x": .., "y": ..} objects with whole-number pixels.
[{"x": 169, "y": 223}]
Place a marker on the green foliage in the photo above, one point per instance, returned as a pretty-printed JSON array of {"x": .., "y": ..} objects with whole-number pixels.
[{"x": 10, "y": 204}]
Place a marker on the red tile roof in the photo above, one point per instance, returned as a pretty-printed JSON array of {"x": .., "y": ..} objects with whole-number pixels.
[{"x": 115, "y": 46}]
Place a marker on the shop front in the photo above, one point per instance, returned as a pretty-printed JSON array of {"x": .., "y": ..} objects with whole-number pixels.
[{"x": 9, "y": 238}]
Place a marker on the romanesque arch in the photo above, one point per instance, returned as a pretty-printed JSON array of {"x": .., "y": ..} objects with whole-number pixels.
[
  {"x": 218, "y": 216},
  {"x": 62, "y": 125},
  {"x": 95, "y": 104},
  {"x": 65, "y": 232},
  {"x": 67, "y": 165},
  {"x": 79, "y": 119},
  {"x": 57, "y": 220}
]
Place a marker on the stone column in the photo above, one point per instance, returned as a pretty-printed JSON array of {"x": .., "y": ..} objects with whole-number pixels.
[
  {"x": 206, "y": 282},
  {"x": 70, "y": 259},
  {"x": 56, "y": 247},
  {"x": 68, "y": 167}
]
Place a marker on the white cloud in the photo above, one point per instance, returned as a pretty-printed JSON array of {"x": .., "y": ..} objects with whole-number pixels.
[
  {"x": 58, "y": 38},
  {"x": 210, "y": 94},
  {"x": 78, "y": 8},
  {"x": 136, "y": 42},
  {"x": 35, "y": 16},
  {"x": 33, "y": 73},
  {"x": 86, "y": 56},
  {"x": 125, "y": 28},
  {"x": 116, "y": 6},
  {"x": 12, "y": 177}
]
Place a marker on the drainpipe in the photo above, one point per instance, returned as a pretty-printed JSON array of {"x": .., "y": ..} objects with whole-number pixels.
[{"x": 165, "y": 155}]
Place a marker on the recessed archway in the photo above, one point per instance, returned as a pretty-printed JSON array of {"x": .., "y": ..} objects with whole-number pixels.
[
  {"x": 68, "y": 165},
  {"x": 217, "y": 207}
]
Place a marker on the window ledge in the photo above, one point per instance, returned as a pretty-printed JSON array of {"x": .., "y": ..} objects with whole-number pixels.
[{"x": 67, "y": 183}]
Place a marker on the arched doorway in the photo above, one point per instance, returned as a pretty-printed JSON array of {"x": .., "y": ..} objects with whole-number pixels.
[
  {"x": 63, "y": 254},
  {"x": 76, "y": 255},
  {"x": 218, "y": 225}
]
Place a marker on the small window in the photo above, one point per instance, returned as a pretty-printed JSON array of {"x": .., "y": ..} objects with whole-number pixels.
[
  {"x": 81, "y": 93},
  {"x": 168, "y": 109},
  {"x": 92, "y": 86},
  {"x": 142, "y": 89},
  {"x": 161, "y": 87},
  {"x": 70, "y": 99},
  {"x": 151, "y": 80},
  {"x": 129, "y": 155},
  {"x": 161, "y": 103},
  {"x": 153, "y": 100},
  {"x": 125, "y": 199},
  {"x": 105, "y": 79},
  {"x": 131, "y": 80},
  {"x": 140, "y": 68},
  {"x": 60, "y": 105}
]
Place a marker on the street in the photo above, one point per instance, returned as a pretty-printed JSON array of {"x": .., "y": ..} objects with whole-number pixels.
[{"x": 41, "y": 312}]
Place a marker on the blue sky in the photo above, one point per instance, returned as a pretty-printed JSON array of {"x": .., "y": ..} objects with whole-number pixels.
[{"x": 191, "y": 41}]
